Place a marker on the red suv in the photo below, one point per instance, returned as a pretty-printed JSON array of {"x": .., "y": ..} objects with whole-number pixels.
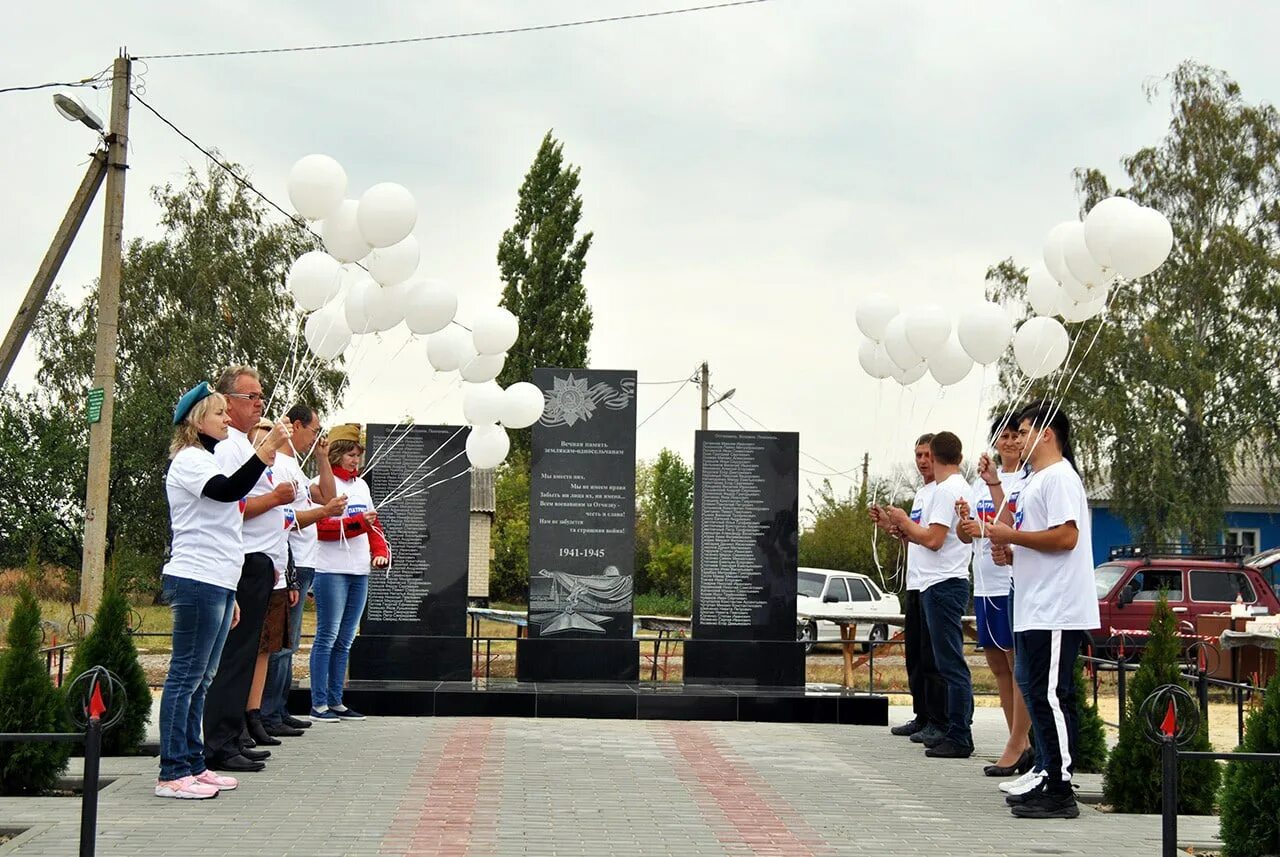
[{"x": 1199, "y": 579}]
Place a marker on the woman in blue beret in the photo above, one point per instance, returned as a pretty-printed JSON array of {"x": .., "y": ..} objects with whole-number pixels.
[{"x": 200, "y": 581}]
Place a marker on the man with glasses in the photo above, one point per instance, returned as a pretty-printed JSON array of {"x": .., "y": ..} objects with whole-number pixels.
[
  {"x": 310, "y": 504},
  {"x": 265, "y": 557}
]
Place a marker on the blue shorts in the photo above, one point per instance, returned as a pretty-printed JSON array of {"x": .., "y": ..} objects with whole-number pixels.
[{"x": 995, "y": 624}]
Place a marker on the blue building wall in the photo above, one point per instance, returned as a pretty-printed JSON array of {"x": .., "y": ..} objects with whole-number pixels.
[{"x": 1109, "y": 529}]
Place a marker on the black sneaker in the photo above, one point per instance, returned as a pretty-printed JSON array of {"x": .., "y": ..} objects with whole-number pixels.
[
  {"x": 1018, "y": 800},
  {"x": 911, "y": 727},
  {"x": 348, "y": 714},
  {"x": 929, "y": 733},
  {"x": 948, "y": 749},
  {"x": 1047, "y": 804}
]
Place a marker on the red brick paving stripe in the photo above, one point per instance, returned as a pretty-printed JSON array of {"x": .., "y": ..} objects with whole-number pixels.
[
  {"x": 725, "y": 785},
  {"x": 438, "y": 814}
]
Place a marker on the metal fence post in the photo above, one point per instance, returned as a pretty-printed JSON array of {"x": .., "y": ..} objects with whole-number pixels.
[
  {"x": 89, "y": 799},
  {"x": 1120, "y": 686},
  {"x": 1169, "y": 796}
]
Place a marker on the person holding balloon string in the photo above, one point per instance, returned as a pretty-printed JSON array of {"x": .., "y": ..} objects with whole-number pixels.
[
  {"x": 349, "y": 546},
  {"x": 991, "y": 596},
  {"x": 1050, "y": 541}
]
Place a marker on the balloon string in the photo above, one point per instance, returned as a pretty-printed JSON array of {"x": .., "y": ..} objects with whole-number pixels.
[
  {"x": 399, "y": 492},
  {"x": 425, "y": 462}
]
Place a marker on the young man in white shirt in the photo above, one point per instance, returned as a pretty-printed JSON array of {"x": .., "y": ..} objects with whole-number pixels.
[
  {"x": 928, "y": 691},
  {"x": 1057, "y": 603},
  {"x": 943, "y": 575}
]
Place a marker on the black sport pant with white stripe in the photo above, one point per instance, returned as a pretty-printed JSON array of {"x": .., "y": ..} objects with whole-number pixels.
[{"x": 1051, "y": 661}]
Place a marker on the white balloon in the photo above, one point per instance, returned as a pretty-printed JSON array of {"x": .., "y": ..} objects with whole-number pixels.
[
  {"x": 495, "y": 330},
  {"x": 482, "y": 367},
  {"x": 867, "y": 354},
  {"x": 1080, "y": 262},
  {"x": 1142, "y": 242},
  {"x": 950, "y": 364},
  {"x": 1100, "y": 226},
  {"x": 429, "y": 306},
  {"x": 447, "y": 349},
  {"x": 482, "y": 403},
  {"x": 487, "y": 446},
  {"x": 907, "y": 377},
  {"x": 1074, "y": 290},
  {"x": 900, "y": 351},
  {"x": 522, "y": 405},
  {"x": 927, "y": 328},
  {"x": 313, "y": 279},
  {"x": 395, "y": 264},
  {"x": 1040, "y": 346},
  {"x": 387, "y": 214},
  {"x": 873, "y": 315},
  {"x": 356, "y": 305},
  {"x": 317, "y": 185},
  {"x": 1075, "y": 311},
  {"x": 983, "y": 332},
  {"x": 327, "y": 333},
  {"x": 385, "y": 306},
  {"x": 1044, "y": 293},
  {"x": 1053, "y": 251},
  {"x": 341, "y": 233}
]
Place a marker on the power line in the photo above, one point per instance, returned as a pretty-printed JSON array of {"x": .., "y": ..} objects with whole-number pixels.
[
  {"x": 730, "y": 415},
  {"x": 833, "y": 470},
  {"x": 663, "y": 405},
  {"x": 96, "y": 81},
  {"x": 466, "y": 35},
  {"x": 665, "y": 383}
]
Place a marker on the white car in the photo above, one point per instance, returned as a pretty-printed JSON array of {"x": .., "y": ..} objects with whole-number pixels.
[{"x": 826, "y": 592}]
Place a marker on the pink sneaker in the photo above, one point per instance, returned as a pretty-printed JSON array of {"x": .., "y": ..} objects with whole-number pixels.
[
  {"x": 187, "y": 788},
  {"x": 221, "y": 783}
]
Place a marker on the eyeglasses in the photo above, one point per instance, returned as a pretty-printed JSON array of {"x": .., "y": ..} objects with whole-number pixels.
[{"x": 248, "y": 397}]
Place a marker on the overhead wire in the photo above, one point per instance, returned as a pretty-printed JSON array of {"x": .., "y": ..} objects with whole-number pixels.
[
  {"x": 504, "y": 31},
  {"x": 668, "y": 401}
]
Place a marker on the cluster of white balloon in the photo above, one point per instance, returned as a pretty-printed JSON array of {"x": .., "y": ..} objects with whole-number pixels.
[
  {"x": 1083, "y": 261},
  {"x": 364, "y": 281}
]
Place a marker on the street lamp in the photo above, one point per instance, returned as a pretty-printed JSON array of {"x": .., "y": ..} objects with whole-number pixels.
[{"x": 74, "y": 110}]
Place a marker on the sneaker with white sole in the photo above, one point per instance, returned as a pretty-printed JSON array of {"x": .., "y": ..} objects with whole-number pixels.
[
  {"x": 326, "y": 716},
  {"x": 1024, "y": 783},
  {"x": 345, "y": 713},
  {"x": 221, "y": 783},
  {"x": 187, "y": 788}
]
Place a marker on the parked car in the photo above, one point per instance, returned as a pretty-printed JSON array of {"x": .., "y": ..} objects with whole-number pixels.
[
  {"x": 1199, "y": 579},
  {"x": 826, "y": 591},
  {"x": 1268, "y": 565}
]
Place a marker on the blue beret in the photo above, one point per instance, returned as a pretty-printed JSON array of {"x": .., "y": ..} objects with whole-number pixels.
[{"x": 190, "y": 399}]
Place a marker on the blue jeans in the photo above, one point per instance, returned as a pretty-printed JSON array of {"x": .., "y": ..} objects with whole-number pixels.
[
  {"x": 275, "y": 696},
  {"x": 202, "y": 616},
  {"x": 944, "y": 604},
  {"x": 339, "y": 602}
]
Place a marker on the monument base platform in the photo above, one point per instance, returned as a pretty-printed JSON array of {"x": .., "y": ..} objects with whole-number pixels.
[
  {"x": 597, "y": 660},
  {"x": 766, "y": 663},
  {"x": 620, "y": 701},
  {"x": 391, "y": 658}
]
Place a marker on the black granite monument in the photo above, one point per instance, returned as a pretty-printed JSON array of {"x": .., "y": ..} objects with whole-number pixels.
[
  {"x": 415, "y": 622},
  {"x": 582, "y": 530},
  {"x": 745, "y": 552}
]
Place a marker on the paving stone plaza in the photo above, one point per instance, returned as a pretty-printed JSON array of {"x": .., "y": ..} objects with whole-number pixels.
[{"x": 471, "y": 786}]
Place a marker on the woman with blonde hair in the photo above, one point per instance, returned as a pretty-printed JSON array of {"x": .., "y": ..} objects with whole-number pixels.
[{"x": 199, "y": 581}]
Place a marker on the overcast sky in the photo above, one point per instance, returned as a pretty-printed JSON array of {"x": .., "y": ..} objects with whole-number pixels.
[{"x": 748, "y": 173}]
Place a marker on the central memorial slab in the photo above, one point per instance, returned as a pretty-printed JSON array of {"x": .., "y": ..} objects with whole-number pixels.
[
  {"x": 582, "y": 499},
  {"x": 415, "y": 621}
]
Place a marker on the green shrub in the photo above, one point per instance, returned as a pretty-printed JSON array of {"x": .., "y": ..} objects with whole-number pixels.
[
  {"x": 1093, "y": 733},
  {"x": 1250, "y": 800},
  {"x": 110, "y": 645},
  {"x": 1131, "y": 781},
  {"x": 29, "y": 703},
  {"x": 655, "y": 604}
]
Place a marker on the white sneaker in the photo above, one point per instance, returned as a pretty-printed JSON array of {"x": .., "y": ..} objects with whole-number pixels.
[
  {"x": 1024, "y": 783},
  {"x": 187, "y": 788}
]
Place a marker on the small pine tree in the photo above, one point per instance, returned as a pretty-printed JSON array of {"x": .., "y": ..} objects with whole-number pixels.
[
  {"x": 1093, "y": 734},
  {"x": 1131, "y": 781},
  {"x": 29, "y": 703},
  {"x": 1250, "y": 800},
  {"x": 110, "y": 645}
]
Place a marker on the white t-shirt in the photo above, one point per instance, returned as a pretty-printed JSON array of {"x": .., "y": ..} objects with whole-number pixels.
[
  {"x": 266, "y": 533},
  {"x": 914, "y": 550},
  {"x": 952, "y": 559},
  {"x": 989, "y": 579},
  {"x": 351, "y": 554},
  {"x": 1055, "y": 589},
  {"x": 206, "y": 533},
  {"x": 302, "y": 540}
]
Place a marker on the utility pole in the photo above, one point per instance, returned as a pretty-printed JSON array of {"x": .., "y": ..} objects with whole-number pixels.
[
  {"x": 104, "y": 355},
  {"x": 706, "y": 393},
  {"x": 866, "y": 471},
  {"x": 52, "y": 263}
]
